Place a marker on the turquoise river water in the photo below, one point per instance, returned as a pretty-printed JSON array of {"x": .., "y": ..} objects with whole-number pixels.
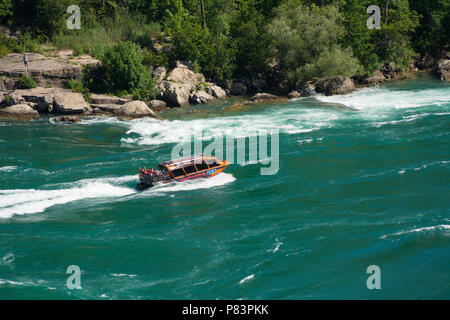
[{"x": 363, "y": 180}]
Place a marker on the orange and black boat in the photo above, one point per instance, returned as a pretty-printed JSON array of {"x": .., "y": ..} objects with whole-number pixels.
[{"x": 199, "y": 166}]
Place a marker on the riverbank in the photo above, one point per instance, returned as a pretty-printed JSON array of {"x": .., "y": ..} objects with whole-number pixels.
[{"x": 178, "y": 87}]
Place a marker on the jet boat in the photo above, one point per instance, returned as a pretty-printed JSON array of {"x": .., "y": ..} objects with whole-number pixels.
[{"x": 194, "y": 167}]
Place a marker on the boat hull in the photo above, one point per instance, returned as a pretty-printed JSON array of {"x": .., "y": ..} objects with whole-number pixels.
[{"x": 144, "y": 185}]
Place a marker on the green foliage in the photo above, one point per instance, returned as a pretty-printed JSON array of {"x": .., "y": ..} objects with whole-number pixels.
[
  {"x": 5, "y": 9},
  {"x": 287, "y": 39},
  {"x": 307, "y": 42},
  {"x": 253, "y": 44},
  {"x": 153, "y": 59},
  {"x": 8, "y": 99},
  {"x": 107, "y": 32},
  {"x": 26, "y": 82},
  {"x": 3, "y": 50},
  {"x": 77, "y": 86},
  {"x": 122, "y": 72},
  {"x": 25, "y": 43}
]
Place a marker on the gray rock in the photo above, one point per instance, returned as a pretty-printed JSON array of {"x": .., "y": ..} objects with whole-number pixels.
[
  {"x": 185, "y": 64},
  {"x": 338, "y": 85},
  {"x": 200, "y": 97},
  {"x": 19, "y": 111},
  {"x": 159, "y": 74},
  {"x": 107, "y": 107},
  {"x": 73, "y": 119},
  {"x": 45, "y": 71},
  {"x": 443, "y": 69},
  {"x": 375, "y": 78},
  {"x": 294, "y": 94},
  {"x": 174, "y": 94},
  {"x": 238, "y": 89},
  {"x": 216, "y": 92},
  {"x": 105, "y": 99},
  {"x": 135, "y": 109},
  {"x": 42, "y": 98},
  {"x": 158, "y": 105},
  {"x": 68, "y": 102},
  {"x": 263, "y": 97}
]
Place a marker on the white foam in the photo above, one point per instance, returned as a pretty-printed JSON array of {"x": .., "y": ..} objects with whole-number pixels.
[
  {"x": 441, "y": 227},
  {"x": 123, "y": 275},
  {"x": 11, "y": 283},
  {"x": 291, "y": 120},
  {"x": 26, "y": 201},
  {"x": 196, "y": 184},
  {"x": 8, "y": 168},
  {"x": 376, "y": 98},
  {"x": 248, "y": 278}
]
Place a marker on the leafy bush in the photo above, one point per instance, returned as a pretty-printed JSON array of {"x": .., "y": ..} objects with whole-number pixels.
[
  {"x": 3, "y": 50},
  {"x": 78, "y": 86},
  {"x": 26, "y": 82},
  {"x": 122, "y": 72},
  {"x": 25, "y": 43},
  {"x": 150, "y": 58},
  {"x": 307, "y": 40}
]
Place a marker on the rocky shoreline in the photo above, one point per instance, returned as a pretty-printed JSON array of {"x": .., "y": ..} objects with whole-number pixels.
[{"x": 175, "y": 88}]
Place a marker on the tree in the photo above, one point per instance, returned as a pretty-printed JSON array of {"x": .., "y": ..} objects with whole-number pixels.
[
  {"x": 122, "y": 70},
  {"x": 5, "y": 9},
  {"x": 252, "y": 42},
  {"x": 307, "y": 40}
]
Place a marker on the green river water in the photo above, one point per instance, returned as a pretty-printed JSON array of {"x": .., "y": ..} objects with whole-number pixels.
[{"x": 363, "y": 180}]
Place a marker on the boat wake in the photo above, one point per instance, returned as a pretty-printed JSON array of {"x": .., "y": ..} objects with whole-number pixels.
[
  {"x": 23, "y": 201},
  {"x": 196, "y": 184},
  {"x": 27, "y": 201}
]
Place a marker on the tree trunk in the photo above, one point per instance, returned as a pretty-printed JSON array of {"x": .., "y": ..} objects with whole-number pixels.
[
  {"x": 387, "y": 8},
  {"x": 202, "y": 5}
]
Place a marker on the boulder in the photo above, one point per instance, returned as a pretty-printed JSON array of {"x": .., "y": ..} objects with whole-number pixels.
[
  {"x": 174, "y": 94},
  {"x": 338, "y": 85},
  {"x": 135, "y": 109},
  {"x": 105, "y": 99},
  {"x": 183, "y": 75},
  {"x": 262, "y": 98},
  {"x": 159, "y": 74},
  {"x": 68, "y": 102},
  {"x": 111, "y": 108},
  {"x": 19, "y": 111},
  {"x": 443, "y": 69},
  {"x": 73, "y": 119},
  {"x": 158, "y": 105},
  {"x": 375, "y": 78},
  {"x": 238, "y": 89},
  {"x": 200, "y": 97},
  {"x": 85, "y": 60},
  {"x": 389, "y": 70},
  {"x": 185, "y": 64},
  {"x": 294, "y": 94},
  {"x": 216, "y": 92},
  {"x": 41, "y": 98},
  {"x": 427, "y": 61}
]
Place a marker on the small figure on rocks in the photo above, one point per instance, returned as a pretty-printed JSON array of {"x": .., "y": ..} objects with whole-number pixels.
[{"x": 25, "y": 61}]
